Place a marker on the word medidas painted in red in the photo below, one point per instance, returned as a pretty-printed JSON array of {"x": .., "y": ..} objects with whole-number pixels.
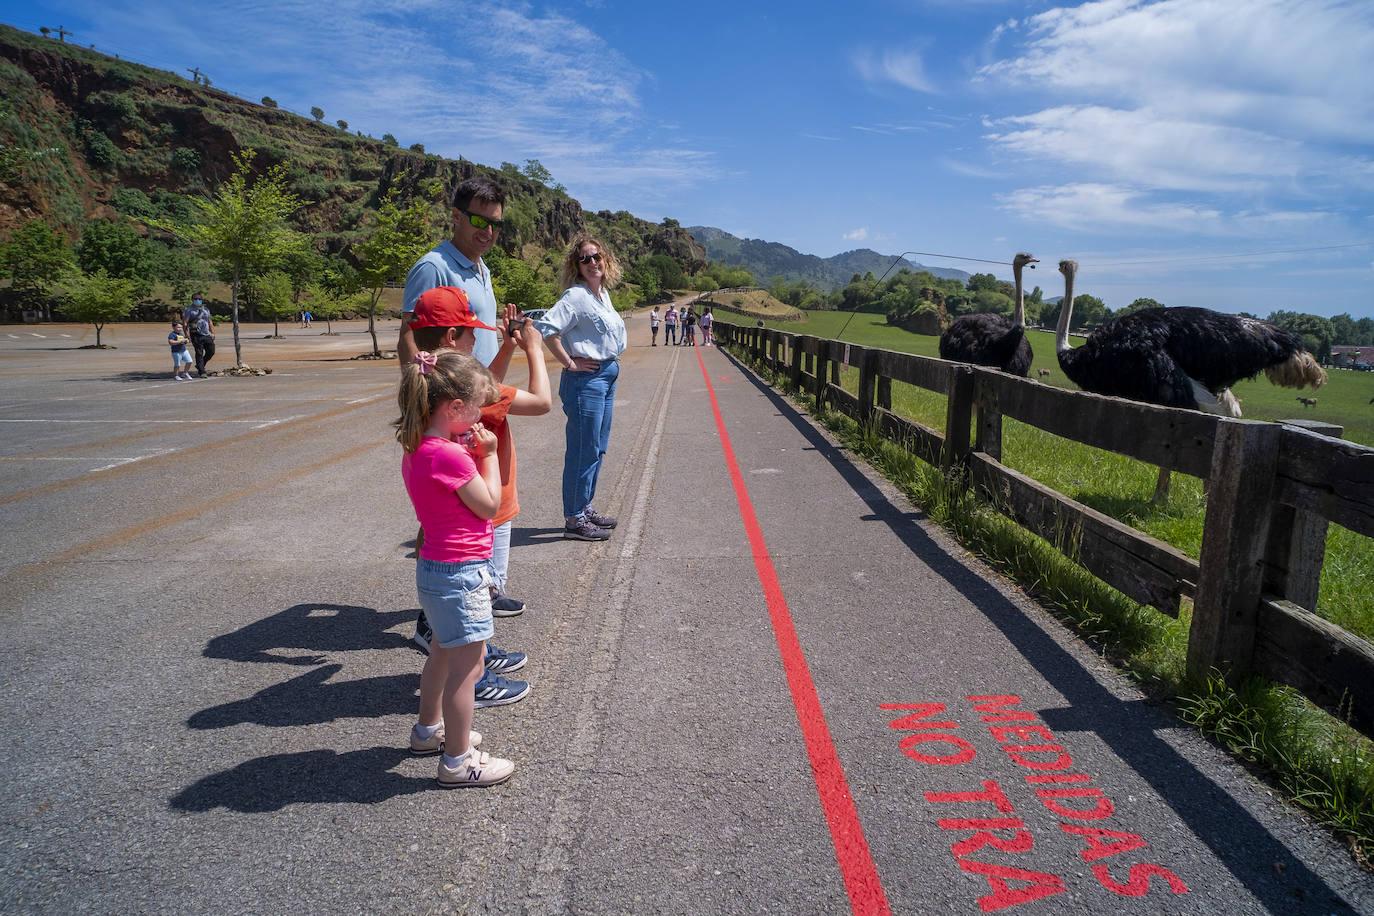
[{"x": 987, "y": 814}]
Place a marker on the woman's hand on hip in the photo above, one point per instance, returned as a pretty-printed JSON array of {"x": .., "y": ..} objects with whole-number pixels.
[{"x": 583, "y": 364}]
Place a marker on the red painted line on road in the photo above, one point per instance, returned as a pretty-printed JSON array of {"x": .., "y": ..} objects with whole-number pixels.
[{"x": 851, "y": 849}]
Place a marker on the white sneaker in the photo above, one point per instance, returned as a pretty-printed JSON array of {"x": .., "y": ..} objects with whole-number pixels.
[
  {"x": 427, "y": 747},
  {"x": 477, "y": 769}
]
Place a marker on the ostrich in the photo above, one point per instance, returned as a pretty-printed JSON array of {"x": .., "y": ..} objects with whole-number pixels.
[
  {"x": 992, "y": 340},
  {"x": 1180, "y": 357}
]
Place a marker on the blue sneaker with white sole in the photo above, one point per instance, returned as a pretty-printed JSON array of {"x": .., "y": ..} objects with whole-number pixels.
[{"x": 494, "y": 690}]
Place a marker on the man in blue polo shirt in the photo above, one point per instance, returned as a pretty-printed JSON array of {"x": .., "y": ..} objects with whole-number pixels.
[{"x": 477, "y": 206}]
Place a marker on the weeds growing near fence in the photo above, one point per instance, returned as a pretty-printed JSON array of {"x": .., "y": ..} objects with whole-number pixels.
[{"x": 1317, "y": 760}]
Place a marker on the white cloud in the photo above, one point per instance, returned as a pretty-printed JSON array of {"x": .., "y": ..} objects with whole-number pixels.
[
  {"x": 1151, "y": 148},
  {"x": 1076, "y": 206},
  {"x": 857, "y": 235},
  {"x": 1253, "y": 107},
  {"x": 902, "y": 67},
  {"x": 1300, "y": 67}
]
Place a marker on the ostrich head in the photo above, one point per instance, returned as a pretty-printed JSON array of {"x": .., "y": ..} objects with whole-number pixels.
[
  {"x": 1068, "y": 267},
  {"x": 1017, "y": 263}
]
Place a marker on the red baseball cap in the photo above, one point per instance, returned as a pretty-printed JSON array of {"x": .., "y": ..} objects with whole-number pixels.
[{"x": 445, "y": 307}]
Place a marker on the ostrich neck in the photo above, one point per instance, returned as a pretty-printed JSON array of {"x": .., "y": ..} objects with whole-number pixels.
[
  {"x": 1018, "y": 317},
  {"x": 1061, "y": 332}
]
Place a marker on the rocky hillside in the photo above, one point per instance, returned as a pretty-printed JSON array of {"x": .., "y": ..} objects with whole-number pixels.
[
  {"x": 766, "y": 260},
  {"x": 123, "y": 138}
]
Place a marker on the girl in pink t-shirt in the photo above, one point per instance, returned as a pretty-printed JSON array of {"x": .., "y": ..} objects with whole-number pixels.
[{"x": 455, "y": 487}]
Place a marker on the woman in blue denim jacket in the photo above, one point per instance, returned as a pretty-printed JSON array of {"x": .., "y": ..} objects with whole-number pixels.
[{"x": 586, "y": 335}]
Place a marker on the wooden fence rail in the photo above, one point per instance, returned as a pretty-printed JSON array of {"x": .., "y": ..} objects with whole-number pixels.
[{"x": 1272, "y": 489}]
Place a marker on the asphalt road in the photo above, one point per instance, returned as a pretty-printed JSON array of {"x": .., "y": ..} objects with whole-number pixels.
[{"x": 775, "y": 689}]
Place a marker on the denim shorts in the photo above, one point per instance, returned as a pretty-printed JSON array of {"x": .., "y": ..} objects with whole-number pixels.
[{"x": 455, "y": 600}]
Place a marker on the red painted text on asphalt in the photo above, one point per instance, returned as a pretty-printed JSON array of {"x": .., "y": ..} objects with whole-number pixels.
[{"x": 989, "y": 838}]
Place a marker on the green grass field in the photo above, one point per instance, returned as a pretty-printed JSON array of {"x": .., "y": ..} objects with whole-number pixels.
[{"x": 1123, "y": 487}]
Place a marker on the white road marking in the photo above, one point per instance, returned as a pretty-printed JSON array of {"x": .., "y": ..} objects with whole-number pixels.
[
  {"x": 123, "y": 461},
  {"x": 280, "y": 420},
  {"x": 40, "y": 336}
]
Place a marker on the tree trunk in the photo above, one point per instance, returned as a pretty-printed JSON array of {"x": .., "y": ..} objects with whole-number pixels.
[
  {"x": 372, "y": 322},
  {"x": 234, "y": 297}
]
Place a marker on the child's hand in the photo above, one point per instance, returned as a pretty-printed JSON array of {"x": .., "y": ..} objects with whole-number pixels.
[{"x": 483, "y": 440}]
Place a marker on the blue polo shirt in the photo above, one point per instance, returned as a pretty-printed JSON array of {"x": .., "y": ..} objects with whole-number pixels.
[{"x": 447, "y": 266}]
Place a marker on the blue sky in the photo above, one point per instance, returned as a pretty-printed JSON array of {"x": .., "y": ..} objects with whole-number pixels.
[{"x": 1217, "y": 153}]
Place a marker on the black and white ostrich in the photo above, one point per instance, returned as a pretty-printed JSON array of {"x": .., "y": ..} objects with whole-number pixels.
[
  {"x": 1180, "y": 357},
  {"x": 993, "y": 340}
]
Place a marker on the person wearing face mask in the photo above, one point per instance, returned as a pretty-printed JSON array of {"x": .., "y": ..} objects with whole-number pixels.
[{"x": 201, "y": 327}]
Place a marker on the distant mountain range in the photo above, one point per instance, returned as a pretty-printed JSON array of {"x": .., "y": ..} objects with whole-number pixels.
[{"x": 766, "y": 260}]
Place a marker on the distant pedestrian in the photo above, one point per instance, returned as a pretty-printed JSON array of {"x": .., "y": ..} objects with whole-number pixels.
[
  {"x": 706, "y": 322},
  {"x": 670, "y": 326},
  {"x": 306, "y": 318},
  {"x": 181, "y": 359},
  {"x": 201, "y": 324},
  {"x": 586, "y": 335},
  {"x": 653, "y": 326},
  {"x": 689, "y": 327},
  {"x": 456, "y": 490}
]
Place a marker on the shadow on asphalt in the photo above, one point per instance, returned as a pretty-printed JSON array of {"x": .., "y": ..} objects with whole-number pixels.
[
  {"x": 313, "y": 628},
  {"x": 310, "y": 699},
  {"x": 1282, "y": 882},
  {"x": 271, "y": 783},
  {"x": 521, "y": 537}
]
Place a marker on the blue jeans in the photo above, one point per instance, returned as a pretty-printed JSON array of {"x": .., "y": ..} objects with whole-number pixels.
[
  {"x": 670, "y": 333},
  {"x": 588, "y": 401}
]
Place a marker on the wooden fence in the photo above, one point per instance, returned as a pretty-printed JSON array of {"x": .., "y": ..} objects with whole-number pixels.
[{"x": 1272, "y": 489}]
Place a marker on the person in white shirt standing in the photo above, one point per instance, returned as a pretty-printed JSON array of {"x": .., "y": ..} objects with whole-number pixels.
[{"x": 586, "y": 335}]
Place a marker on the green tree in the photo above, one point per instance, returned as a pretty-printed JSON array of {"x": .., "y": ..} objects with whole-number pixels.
[
  {"x": 181, "y": 271},
  {"x": 271, "y": 296},
  {"x": 397, "y": 239},
  {"x": 535, "y": 170},
  {"x": 242, "y": 228},
  {"x": 390, "y": 140},
  {"x": 1316, "y": 332},
  {"x": 35, "y": 258},
  {"x": 317, "y": 113},
  {"x": 645, "y": 277},
  {"x": 115, "y": 249},
  {"x": 339, "y": 290},
  {"x": 1144, "y": 302},
  {"x": 980, "y": 282},
  {"x": 417, "y": 148},
  {"x": 342, "y": 124},
  {"x": 99, "y": 299},
  {"x": 518, "y": 283},
  {"x": 269, "y": 102},
  {"x": 304, "y": 266},
  {"x": 1343, "y": 329}
]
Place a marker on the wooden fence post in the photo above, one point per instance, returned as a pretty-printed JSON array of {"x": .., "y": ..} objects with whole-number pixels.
[
  {"x": 958, "y": 418},
  {"x": 1296, "y": 550},
  {"x": 1234, "y": 535},
  {"x": 989, "y": 420},
  {"x": 795, "y": 354},
  {"x": 884, "y": 392},
  {"x": 866, "y": 384},
  {"x": 822, "y": 372}
]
